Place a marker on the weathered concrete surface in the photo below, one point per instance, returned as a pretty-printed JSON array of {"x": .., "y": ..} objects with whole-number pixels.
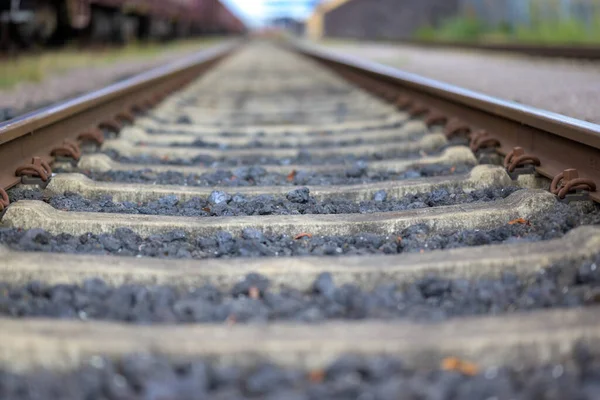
[
  {"x": 524, "y": 260},
  {"x": 489, "y": 341},
  {"x": 451, "y": 155},
  {"x": 410, "y": 129},
  {"x": 29, "y": 214},
  {"x": 483, "y": 176},
  {"x": 126, "y": 148}
]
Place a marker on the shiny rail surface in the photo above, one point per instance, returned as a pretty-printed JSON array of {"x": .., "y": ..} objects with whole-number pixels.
[{"x": 292, "y": 224}]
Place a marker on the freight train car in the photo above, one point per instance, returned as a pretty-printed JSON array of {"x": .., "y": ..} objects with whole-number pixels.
[
  {"x": 218, "y": 19},
  {"x": 27, "y": 22}
]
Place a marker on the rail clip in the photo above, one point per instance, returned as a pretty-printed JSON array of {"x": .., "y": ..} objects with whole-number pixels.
[
  {"x": 517, "y": 162},
  {"x": 4, "y": 201},
  {"x": 456, "y": 127},
  {"x": 404, "y": 102},
  {"x": 36, "y": 173},
  {"x": 482, "y": 140},
  {"x": 92, "y": 135},
  {"x": 111, "y": 125},
  {"x": 568, "y": 186},
  {"x": 418, "y": 110},
  {"x": 436, "y": 118},
  {"x": 69, "y": 151}
]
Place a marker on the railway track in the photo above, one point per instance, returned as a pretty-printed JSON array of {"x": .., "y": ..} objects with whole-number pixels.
[{"x": 261, "y": 222}]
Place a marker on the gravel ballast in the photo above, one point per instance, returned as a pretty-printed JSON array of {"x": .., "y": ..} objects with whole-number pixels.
[
  {"x": 303, "y": 157},
  {"x": 297, "y": 201},
  {"x": 138, "y": 377},
  {"x": 254, "y": 300},
  {"x": 259, "y": 176},
  {"x": 258, "y": 143},
  {"x": 253, "y": 243},
  {"x": 309, "y": 132}
]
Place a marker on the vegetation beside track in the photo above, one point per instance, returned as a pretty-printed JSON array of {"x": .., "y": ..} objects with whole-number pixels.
[
  {"x": 35, "y": 67},
  {"x": 470, "y": 29}
]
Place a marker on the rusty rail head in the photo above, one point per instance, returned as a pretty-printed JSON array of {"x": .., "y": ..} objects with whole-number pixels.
[
  {"x": 559, "y": 142},
  {"x": 42, "y": 132}
]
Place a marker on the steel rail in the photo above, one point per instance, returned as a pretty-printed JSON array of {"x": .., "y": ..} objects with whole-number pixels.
[
  {"x": 41, "y": 132},
  {"x": 560, "y": 142}
]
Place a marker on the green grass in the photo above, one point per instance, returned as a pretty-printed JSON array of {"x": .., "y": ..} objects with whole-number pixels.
[
  {"x": 469, "y": 29},
  {"x": 36, "y": 67}
]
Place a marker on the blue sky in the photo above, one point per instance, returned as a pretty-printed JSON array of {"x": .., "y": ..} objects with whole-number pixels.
[{"x": 256, "y": 12}]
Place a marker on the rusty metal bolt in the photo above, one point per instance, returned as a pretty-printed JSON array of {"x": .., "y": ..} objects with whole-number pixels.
[
  {"x": 67, "y": 149},
  {"x": 126, "y": 116},
  {"x": 404, "y": 102},
  {"x": 482, "y": 139},
  {"x": 456, "y": 127},
  {"x": 436, "y": 118},
  {"x": 418, "y": 110},
  {"x": 110, "y": 124},
  {"x": 92, "y": 135},
  {"x": 518, "y": 158},
  {"x": 569, "y": 181},
  {"x": 38, "y": 168},
  {"x": 138, "y": 108},
  {"x": 4, "y": 200}
]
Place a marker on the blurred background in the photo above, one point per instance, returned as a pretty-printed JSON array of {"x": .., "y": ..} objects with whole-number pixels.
[
  {"x": 29, "y": 23},
  {"x": 107, "y": 40},
  {"x": 530, "y": 21}
]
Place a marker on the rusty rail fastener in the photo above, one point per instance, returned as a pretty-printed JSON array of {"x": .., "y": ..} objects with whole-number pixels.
[
  {"x": 92, "y": 135},
  {"x": 568, "y": 186},
  {"x": 456, "y": 127},
  {"x": 4, "y": 200},
  {"x": 126, "y": 116},
  {"x": 482, "y": 140},
  {"x": 518, "y": 158},
  {"x": 403, "y": 102},
  {"x": 111, "y": 124},
  {"x": 436, "y": 118},
  {"x": 138, "y": 108},
  {"x": 68, "y": 149},
  {"x": 36, "y": 173},
  {"x": 418, "y": 110}
]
